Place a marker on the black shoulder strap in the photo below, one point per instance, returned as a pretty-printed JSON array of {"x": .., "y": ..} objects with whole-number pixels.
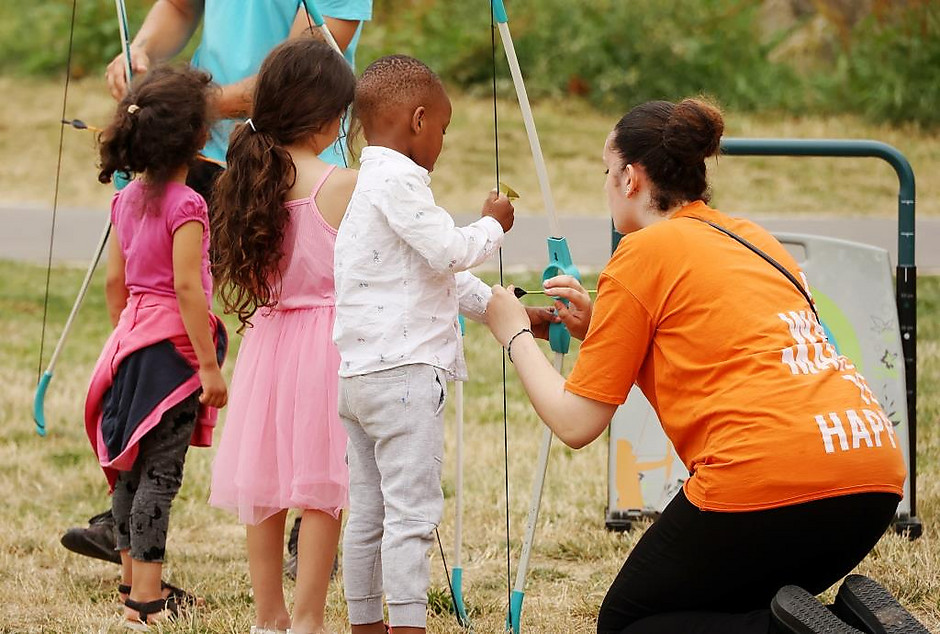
[{"x": 766, "y": 257}]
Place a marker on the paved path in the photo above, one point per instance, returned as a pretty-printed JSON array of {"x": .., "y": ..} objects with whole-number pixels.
[
  {"x": 589, "y": 238},
  {"x": 25, "y": 236}
]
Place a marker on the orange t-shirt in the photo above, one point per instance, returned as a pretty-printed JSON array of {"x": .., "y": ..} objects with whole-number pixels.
[{"x": 759, "y": 406}]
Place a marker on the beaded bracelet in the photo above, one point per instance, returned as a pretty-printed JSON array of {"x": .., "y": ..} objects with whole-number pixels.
[{"x": 513, "y": 338}]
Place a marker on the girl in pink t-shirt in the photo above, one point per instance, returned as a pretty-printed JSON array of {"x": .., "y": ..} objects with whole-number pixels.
[{"x": 157, "y": 384}]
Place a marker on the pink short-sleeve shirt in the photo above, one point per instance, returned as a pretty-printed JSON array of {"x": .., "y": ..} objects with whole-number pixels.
[{"x": 146, "y": 237}]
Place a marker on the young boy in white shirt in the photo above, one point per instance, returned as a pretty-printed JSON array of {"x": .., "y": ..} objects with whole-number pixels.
[{"x": 401, "y": 278}]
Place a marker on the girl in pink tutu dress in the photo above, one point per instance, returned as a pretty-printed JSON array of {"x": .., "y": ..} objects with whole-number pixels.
[{"x": 277, "y": 208}]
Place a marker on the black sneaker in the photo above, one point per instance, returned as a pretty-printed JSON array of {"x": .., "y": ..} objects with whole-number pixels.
[
  {"x": 871, "y": 607},
  {"x": 796, "y": 611},
  {"x": 96, "y": 541}
]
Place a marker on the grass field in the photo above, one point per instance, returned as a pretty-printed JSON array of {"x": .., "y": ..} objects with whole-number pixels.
[
  {"x": 572, "y": 137},
  {"x": 52, "y": 483}
]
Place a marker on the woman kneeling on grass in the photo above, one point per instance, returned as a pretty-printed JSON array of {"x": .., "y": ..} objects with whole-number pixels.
[{"x": 795, "y": 471}]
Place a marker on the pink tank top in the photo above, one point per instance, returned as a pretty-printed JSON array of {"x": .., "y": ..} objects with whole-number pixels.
[{"x": 307, "y": 280}]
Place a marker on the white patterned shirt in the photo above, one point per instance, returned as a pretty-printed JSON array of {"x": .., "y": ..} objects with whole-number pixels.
[{"x": 400, "y": 268}]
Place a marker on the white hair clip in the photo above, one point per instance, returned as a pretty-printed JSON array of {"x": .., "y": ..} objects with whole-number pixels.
[
  {"x": 131, "y": 109},
  {"x": 251, "y": 124}
]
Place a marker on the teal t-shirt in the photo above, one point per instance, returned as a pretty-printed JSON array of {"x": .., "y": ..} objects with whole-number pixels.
[{"x": 238, "y": 34}]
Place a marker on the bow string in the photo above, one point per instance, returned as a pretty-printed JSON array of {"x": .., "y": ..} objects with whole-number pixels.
[{"x": 559, "y": 263}]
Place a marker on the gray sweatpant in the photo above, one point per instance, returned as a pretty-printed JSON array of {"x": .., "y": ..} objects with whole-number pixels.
[{"x": 395, "y": 422}]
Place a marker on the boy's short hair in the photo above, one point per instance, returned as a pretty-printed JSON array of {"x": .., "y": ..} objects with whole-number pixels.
[{"x": 394, "y": 82}]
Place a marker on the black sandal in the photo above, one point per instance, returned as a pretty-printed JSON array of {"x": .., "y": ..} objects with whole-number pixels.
[
  {"x": 183, "y": 598},
  {"x": 147, "y": 609}
]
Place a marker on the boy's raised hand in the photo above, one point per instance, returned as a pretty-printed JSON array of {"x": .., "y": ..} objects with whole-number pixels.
[
  {"x": 497, "y": 206},
  {"x": 539, "y": 319}
]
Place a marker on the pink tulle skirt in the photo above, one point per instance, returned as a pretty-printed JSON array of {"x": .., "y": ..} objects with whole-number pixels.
[{"x": 283, "y": 445}]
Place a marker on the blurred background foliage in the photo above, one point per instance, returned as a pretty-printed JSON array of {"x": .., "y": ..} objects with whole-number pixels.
[{"x": 877, "y": 58}]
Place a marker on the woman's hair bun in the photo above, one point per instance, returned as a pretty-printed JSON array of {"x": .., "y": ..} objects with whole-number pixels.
[{"x": 693, "y": 131}]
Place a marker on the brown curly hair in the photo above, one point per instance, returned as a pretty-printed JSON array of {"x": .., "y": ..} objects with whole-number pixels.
[
  {"x": 159, "y": 127},
  {"x": 303, "y": 85}
]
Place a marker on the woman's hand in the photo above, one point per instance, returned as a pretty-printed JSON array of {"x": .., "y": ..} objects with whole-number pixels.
[
  {"x": 577, "y": 314},
  {"x": 505, "y": 315},
  {"x": 214, "y": 391}
]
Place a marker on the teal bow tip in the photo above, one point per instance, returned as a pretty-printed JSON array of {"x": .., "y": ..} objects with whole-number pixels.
[
  {"x": 460, "y": 608},
  {"x": 39, "y": 402},
  {"x": 515, "y": 611},
  {"x": 499, "y": 11}
]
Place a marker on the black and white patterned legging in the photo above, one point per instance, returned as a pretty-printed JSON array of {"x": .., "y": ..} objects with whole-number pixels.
[{"x": 142, "y": 496}]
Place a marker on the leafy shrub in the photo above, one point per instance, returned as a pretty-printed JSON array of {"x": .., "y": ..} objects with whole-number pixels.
[
  {"x": 615, "y": 53},
  {"x": 891, "y": 72},
  {"x": 34, "y": 36}
]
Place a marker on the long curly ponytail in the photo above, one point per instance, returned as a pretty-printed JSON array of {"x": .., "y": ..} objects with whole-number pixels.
[{"x": 303, "y": 85}]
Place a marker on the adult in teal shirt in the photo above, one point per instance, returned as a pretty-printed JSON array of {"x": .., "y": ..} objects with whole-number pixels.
[{"x": 236, "y": 37}]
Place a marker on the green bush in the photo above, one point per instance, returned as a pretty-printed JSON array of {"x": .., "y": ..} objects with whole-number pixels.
[
  {"x": 34, "y": 36},
  {"x": 613, "y": 52},
  {"x": 891, "y": 72}
]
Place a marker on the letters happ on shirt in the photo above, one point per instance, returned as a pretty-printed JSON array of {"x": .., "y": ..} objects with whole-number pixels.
[{"x": 813, "y": 354}]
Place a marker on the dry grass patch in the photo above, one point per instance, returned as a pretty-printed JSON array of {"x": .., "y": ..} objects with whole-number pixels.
[
  {"x": 572, "y": 136},
  {"x": 53, "y": 483}
]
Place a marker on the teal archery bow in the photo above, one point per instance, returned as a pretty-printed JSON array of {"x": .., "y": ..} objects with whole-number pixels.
[
  {"x": 456, "y": 579},
  {"x": 39, "y": 399},
  {"x": 559, "y": 263}
]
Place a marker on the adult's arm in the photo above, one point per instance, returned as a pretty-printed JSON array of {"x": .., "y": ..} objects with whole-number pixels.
[
  {"x": 165, "y": 32},
  {"x": 342, "y": 31},
  {"x": 167, "y": 29},
  {"x": 234, "y": 99},
  {"x": 575, "y": 419}
]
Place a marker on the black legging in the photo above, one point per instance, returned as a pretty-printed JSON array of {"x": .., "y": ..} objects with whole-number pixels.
[
  {"x": 701, "y": 572},
  {"x": 143, "y": 496}
]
